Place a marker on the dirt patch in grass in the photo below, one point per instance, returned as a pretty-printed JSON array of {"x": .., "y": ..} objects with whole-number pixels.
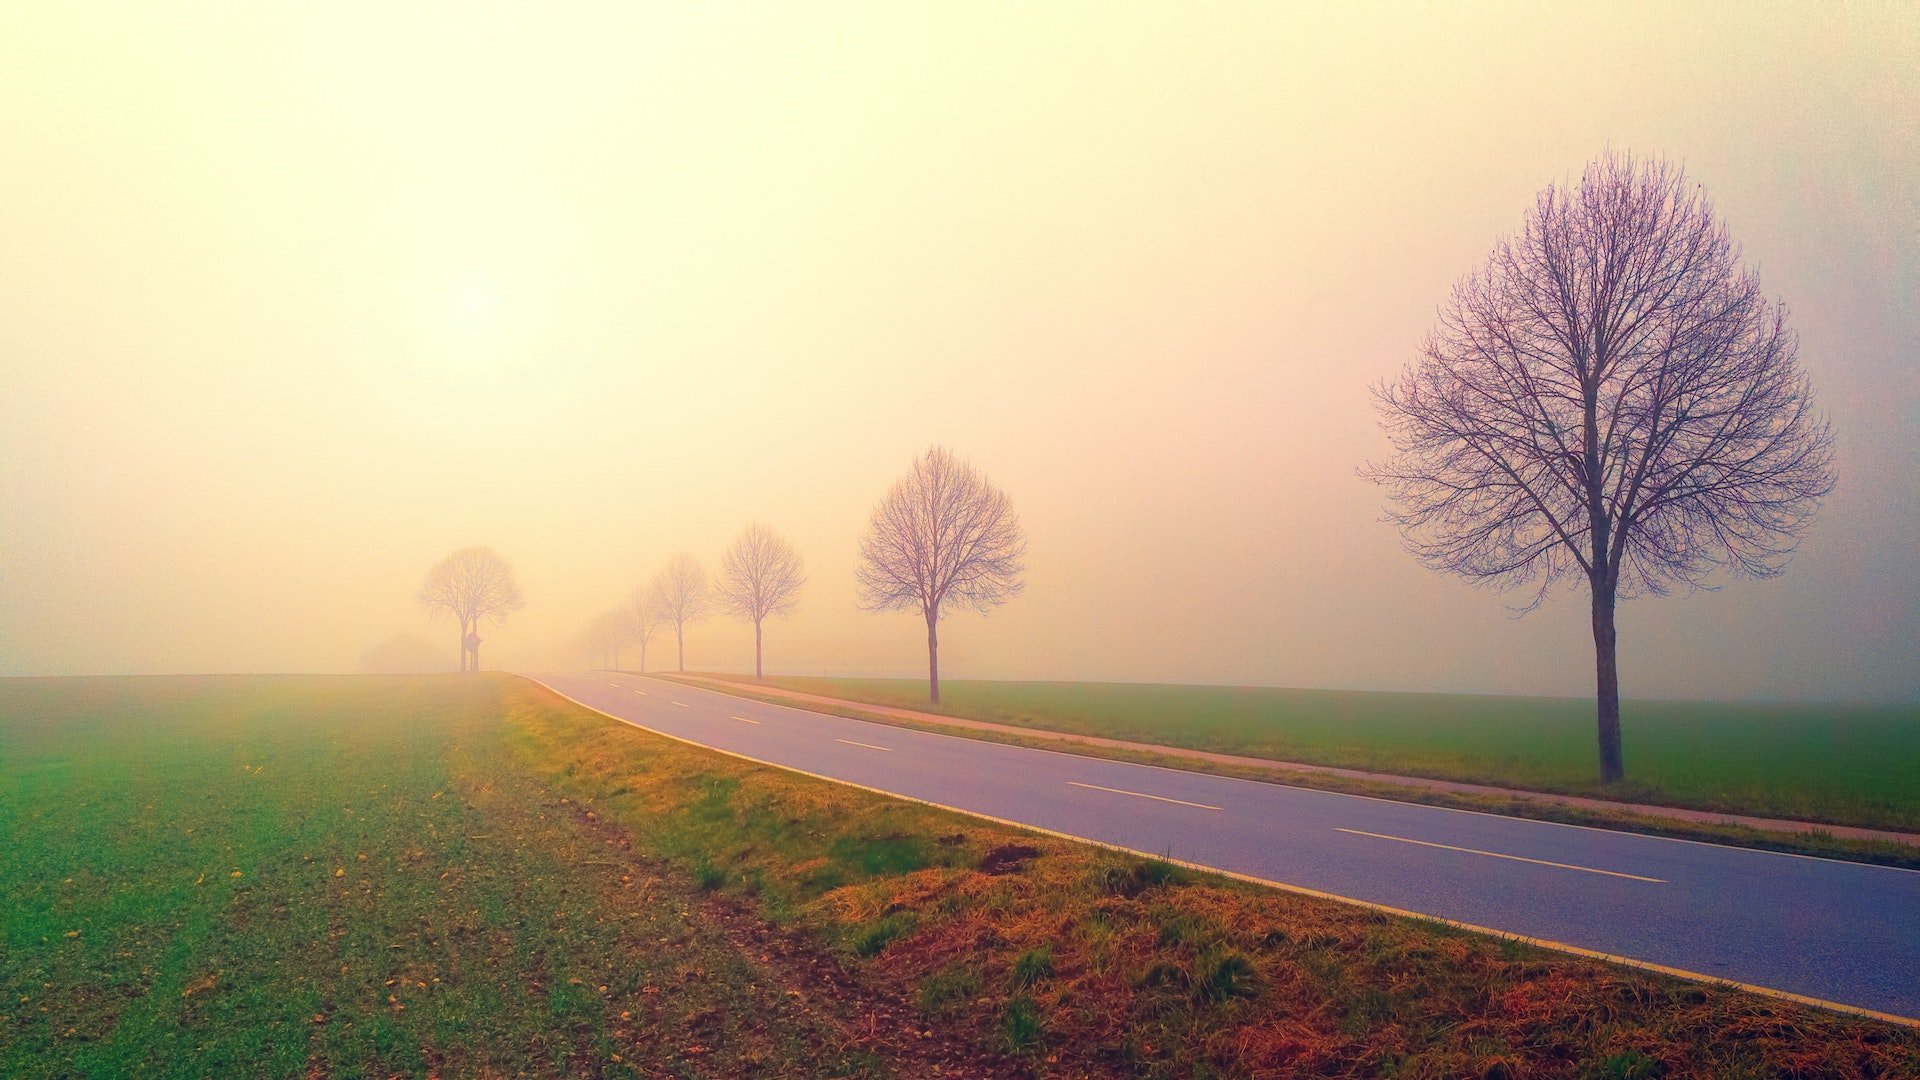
[
  {"x": 1007, "y": 858},
  {"x": 1074, "y": 961}
]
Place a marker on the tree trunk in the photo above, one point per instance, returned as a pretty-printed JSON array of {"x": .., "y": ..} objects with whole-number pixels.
[
  {"x": 643, "y": 656},
  {"x": 758, "y": 673},
  {"x": 933, "y": 659},
  {"x": 680, "y": 639},
  {"x": 1607, "y": 683}
]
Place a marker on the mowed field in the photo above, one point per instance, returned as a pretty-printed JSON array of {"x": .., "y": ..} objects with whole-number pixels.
[
  {"x": 357, "y": 876},
  {"x": 1841, "y": 764},
  {"x": 470, "y": 876}
]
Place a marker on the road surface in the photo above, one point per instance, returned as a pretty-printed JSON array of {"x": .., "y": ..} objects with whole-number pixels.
[{"x": 1838, "y": 932}]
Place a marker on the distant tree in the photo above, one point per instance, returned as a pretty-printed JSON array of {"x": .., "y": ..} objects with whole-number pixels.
[
  {"x": 760, "y": 575},
  {"x": 474, "y": 585},
  {"x": 684, "y": 597},
  {"x": 611, "y": 630},
  {"x": 599, "y": 639},
  {"x": 943, "y": 537},
  {"x": 1610, "y": 400},
  {"x": 645, "y": 615}
]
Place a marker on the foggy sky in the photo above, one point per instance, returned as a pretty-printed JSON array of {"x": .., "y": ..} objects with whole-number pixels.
[{"x": 295, "y": 301}]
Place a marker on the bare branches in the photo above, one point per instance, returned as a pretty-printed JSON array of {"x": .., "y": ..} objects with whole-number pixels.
[
  {"x": 474, "y": 585},
  {"x": 1611, "y": 396},
  {"x": 760, "y": 575},
  {"x": 645, "y": 613},
  {"x": 683, "y": 596},
  {"x": 942, "y": 537}
]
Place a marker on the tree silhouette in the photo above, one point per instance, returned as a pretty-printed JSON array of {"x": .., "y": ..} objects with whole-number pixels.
[
  {"x": 474, "y": 585},
  {"x": 942, "y": 537},
  {"x": 760, "y": 575},
  {"x": 645, "y": 615},
  {"x": 1610, "y": 400},
  {"x": 684, "y": 597}
]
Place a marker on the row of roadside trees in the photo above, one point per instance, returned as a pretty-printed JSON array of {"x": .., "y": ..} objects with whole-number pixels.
[
  {"x": 1611, "y": 401},
  {"x": 943, "y": 538},
  {"x": 760, "y": 578}
]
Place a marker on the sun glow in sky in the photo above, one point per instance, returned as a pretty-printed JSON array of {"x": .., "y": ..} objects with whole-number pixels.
[{"x": 295, "y": 300}]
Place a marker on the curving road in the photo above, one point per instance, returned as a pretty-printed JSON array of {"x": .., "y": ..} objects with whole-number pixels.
[{"x": 1841, "y": 933}]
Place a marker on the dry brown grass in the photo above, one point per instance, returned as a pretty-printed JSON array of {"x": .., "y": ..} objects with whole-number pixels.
[{"x": 1085, "y": 962}]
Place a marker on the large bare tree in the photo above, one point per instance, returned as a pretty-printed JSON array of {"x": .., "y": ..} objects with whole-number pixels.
[
  {"x": 1612, "y": 401},
  {"x": 943, "y": 537},
  {"x": 474, "y": 585},
  {"x": 645, "y": 615},
  {"x": 760, "y": 576},
  {"x": 684, "y": 597}
]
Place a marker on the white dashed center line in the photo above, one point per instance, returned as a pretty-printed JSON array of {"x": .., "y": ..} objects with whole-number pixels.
[
  {"x": 746, "y": 720},
  {"x": 868, "y": 745},
  {"x": 1497, "y": 855},
  {"x": 1144, "y": 795}
]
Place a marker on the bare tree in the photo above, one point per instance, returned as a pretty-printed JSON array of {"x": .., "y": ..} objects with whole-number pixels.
[
  {"x": 684, "y": 597},
  {"x": 645, "y": 615},
  {"x": 1613, "y": 400},
  {"x": 943, "y": 537},
  {"x": 474, "y": 585},
  {"x": 760, "y": 575},
  {"x": 604, "y": 636}
]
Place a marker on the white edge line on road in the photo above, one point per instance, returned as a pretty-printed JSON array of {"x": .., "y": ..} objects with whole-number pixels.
[
  {"x": 1281, "y": 766},
  {"x": 1144, "y": 795},
  {"x": 868, "y": 745},
  {"x": 1498, "y": 855},
  {"x": 1302, "y": 890},
  {"x": 746, "y": 719}
]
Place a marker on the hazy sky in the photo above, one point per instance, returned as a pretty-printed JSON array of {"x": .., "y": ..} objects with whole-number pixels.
[{"x": 296, "y": 299}]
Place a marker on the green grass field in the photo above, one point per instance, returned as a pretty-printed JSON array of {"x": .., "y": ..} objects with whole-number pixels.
[
  {"x": 1842, "y": 764},
  {"x": 341, "y": 877}
]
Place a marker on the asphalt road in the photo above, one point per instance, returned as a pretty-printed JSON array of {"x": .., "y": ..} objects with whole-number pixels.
[{"x": 1841, "y": 932}]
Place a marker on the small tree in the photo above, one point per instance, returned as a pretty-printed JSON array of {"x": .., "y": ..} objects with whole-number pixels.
[
  {"x": 1611, "y": 400},
  {"x": 474, "y": 585},
  {"x": 645, "y": 615},
  {"x": 684, "y": 597},
  {"x": 943, "y": 537},
  {"x": 760, "y": 575},
  {"x": 605, "y": 634}
]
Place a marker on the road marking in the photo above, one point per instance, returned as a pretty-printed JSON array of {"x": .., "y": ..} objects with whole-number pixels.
[
  {"x": 868, "y": 745},
  {"x": 746, "y": 720},
  {"x": 642, "y": 693},
  {"x": 1283, "y": 886},
  {"x": 1144, "y": 795},
  {"x": 1497, "y": 855},
  {"x": 682, "y": 704}
]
